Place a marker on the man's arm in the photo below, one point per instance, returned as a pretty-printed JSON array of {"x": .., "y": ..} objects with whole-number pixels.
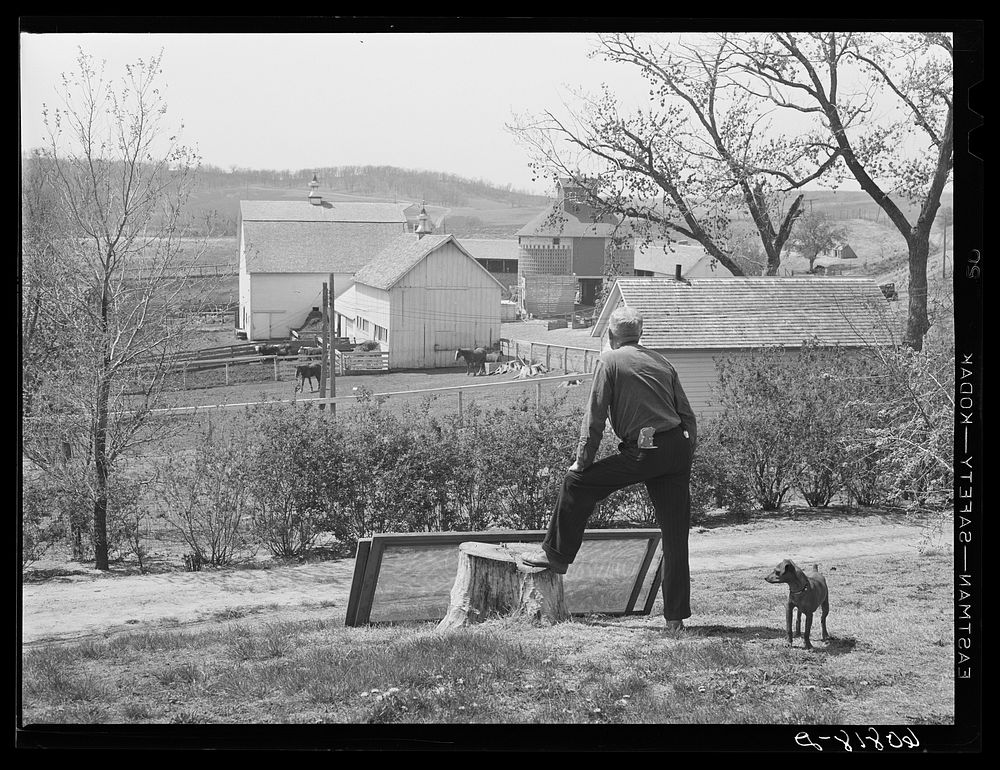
[
  {"x": 595, "y": 417},
  {"x": 684, "y": 411}
]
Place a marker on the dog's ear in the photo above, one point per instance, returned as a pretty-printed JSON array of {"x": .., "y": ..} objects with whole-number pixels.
[{"x": 787, "y": 567}]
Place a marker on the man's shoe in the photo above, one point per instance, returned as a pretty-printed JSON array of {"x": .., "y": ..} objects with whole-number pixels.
[
  {"x": 541, "y": 559},
  {"x": 674, "y": 626}
]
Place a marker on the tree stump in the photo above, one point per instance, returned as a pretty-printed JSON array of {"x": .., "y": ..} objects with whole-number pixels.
[{"x": 492, "y": 581}]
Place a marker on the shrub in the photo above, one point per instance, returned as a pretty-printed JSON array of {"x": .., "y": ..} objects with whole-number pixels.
[
  {"x": 755, "y": 423},
  {"x": 204, "y": 495},
  {"x": 293, "y": 470}
]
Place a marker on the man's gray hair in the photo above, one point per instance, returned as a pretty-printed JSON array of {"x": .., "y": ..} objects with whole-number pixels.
[{"x": 626, "y": 323}]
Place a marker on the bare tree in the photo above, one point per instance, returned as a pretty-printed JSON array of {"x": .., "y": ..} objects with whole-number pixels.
[
  {"x": 106, "y": 272},
  {"x": 701, "y": 156},
  {"x": 885, "y": 103}
]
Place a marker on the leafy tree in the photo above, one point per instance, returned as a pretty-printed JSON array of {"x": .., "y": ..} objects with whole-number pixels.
[
  {"x": 886, "y": 106},
  {"x": 814, "y": 233},
  {"x": 101, "y": 259}
]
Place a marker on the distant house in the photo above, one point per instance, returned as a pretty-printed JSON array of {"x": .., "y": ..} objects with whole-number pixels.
[
  {"x": 288, "y": 249},
  {"x": 422, "y": 298},
  {"x": 845, "y": 252},
  {"x": 695, "y": 322},
  {"x": 572, "y": 244},
  {"x": 683, "y": 259},
  {"x": 497, "y": 255}
]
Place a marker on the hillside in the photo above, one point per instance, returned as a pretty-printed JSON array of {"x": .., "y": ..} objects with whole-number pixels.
[{"x": 473, "y": 207}]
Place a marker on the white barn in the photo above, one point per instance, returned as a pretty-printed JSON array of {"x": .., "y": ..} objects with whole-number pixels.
[
  {"x": 696, "y": 321},
  {"x": 288, "y": 249},
  {"x": 422, "y": 298}
]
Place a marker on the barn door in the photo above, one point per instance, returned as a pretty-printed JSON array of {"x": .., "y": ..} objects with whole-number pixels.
[
  {"x": 261, "y": 329},
  {"x": 443, "y": 350}
]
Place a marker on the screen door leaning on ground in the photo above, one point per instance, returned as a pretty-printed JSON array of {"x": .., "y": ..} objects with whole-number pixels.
[{"x": 408, "y": 577}]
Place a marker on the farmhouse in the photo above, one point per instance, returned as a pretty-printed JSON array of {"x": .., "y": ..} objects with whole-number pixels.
[
  {"x": 288, "y": 249},
  {"x": 422, "y": 297},
  {"x": 565, "y": 250},
  {"x": 694, "y": 322},
  {"x": 678, "y": 259}
]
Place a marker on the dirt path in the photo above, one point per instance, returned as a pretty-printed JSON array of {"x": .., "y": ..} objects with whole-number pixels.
[{"x": 77, "y": 606}]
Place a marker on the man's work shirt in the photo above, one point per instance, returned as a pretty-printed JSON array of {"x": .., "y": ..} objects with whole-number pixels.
[{"x": 638, "y": 388}]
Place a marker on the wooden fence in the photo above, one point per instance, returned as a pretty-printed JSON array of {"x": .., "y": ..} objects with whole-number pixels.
[
  {"x": 536, "y": 382},
  {"x": 358, "y": 362},
  {"x": 568, "y": 359}
]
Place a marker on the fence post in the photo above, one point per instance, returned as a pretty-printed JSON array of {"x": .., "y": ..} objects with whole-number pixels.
[
  {"x": 565, "y": 350},
  {"x": 227, "y": 373},
  {"x": 585, "y": 351},
  {"x": 460, "y": 406},
  {"x": 548, "y": 351},
  {"x": 184, "y": 377},
  {"x": 275, "y": 359},
  {"x": 538, "y": 397}
]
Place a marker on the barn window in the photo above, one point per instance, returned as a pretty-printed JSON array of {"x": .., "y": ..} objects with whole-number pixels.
[{"x": 381, "y": 334}]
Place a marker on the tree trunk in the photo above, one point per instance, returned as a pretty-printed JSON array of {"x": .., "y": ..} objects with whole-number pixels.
[
  {"x": 102, "y": 472},
  {"x": 491, "y": 581},
  {"x": 917, "y": 323}
]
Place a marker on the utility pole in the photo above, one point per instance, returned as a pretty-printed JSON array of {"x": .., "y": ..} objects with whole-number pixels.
[
  {"x": 332, "y": 349},
  {"x": 324, "y": 365}
]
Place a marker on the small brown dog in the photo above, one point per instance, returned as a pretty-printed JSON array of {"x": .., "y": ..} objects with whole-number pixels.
[{"x": 806, "y": 593}]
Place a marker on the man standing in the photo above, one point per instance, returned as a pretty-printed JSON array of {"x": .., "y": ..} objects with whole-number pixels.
[{"x": 639, "y": 390}]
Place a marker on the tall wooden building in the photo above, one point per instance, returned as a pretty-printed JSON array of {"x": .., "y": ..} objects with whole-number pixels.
[{"x": 570, "y": 246}]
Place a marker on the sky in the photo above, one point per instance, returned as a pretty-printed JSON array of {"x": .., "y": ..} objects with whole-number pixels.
[{"x": 432, "y": 101}]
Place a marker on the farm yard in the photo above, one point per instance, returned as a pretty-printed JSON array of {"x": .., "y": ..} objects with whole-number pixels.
[{"x": 287, "y": 435}]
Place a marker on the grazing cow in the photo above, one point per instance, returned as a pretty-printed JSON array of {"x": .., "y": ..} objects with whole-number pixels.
[
  {"x": 475, "y": 360},
  {"x": 310, "y": 351},
  {"x": 307, "y": 372}
]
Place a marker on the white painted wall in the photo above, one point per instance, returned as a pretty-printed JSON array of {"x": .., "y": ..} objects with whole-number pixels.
[{"x": 280, "y": 302}]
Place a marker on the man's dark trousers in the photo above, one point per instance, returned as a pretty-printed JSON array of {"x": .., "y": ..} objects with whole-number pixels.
[{"x": 666, "y": 472}]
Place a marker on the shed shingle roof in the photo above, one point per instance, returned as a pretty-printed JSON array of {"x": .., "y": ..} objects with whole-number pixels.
[
  {"x": 314, "y": 247},
  {"x": 754, "y": 312},
  {"x": 303, "y": 211},
  {"x": 401, "y": 256}
]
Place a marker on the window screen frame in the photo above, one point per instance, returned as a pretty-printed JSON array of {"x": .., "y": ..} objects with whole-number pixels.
[{"x": 370, "y": 550}]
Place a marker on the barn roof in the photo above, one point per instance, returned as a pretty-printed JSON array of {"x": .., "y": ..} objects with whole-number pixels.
[
  {"x": 491, "y": 248},
  {"x": 554, "y": 221},
  {"x": 663, "y": 257},
  {"x": 303, "y": 211},
  {"x": 401, "y": 256},
  {"x": 750, "y": 312},
  {"x": 314, "y": 247}
]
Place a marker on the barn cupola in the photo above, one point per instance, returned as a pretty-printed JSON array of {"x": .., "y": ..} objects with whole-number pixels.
[
  {"x": 314, "y": 197},
  {"x": 424, "y": 225}
]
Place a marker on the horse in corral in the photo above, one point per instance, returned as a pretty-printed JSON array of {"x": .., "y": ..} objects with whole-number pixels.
[
  {"x": 475, "y": 359},
  {"x": 309, "y": 372}
]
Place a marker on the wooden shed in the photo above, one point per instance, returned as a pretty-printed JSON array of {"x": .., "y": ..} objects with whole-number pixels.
[
  {"x": 288, "y": 249},
  {"x": 422, "y": 299},
  {"x": 698, "y": 321}
]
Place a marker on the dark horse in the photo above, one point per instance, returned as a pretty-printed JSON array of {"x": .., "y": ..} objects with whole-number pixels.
[
  {"x": 305, "y": 372},
  {"x": 475, "y": 359}
]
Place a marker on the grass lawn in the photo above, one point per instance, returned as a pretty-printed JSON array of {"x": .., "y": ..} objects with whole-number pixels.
[{"x": 889, "y": 662}]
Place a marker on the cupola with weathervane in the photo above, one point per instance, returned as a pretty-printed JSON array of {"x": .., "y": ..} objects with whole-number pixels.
[{"x": 314, "y": 197}]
